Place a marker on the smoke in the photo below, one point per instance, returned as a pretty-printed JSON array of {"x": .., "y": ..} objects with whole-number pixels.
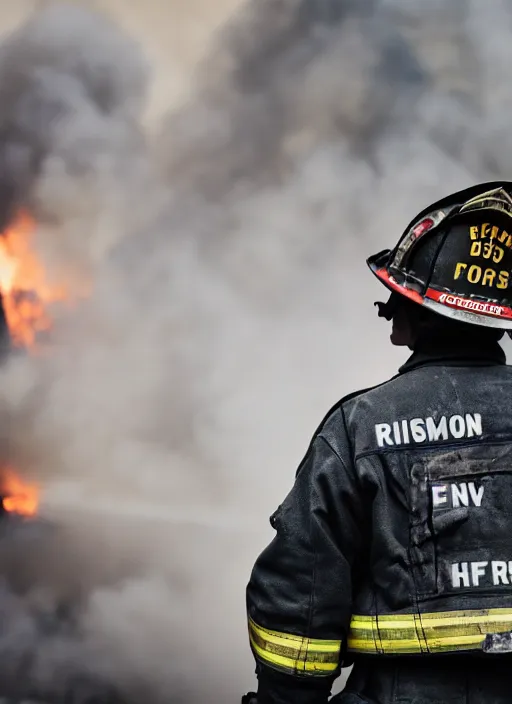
[{"x": 221, "y": 302}]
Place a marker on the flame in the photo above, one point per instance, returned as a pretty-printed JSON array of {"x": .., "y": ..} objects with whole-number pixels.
[
  {"x": 26, "y": 295},
  {"x": 23, "y": 283},
  {"x": 19, "y": 496}
]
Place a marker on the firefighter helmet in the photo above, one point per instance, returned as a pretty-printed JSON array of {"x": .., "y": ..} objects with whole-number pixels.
[{"x": 455, "y": 258}]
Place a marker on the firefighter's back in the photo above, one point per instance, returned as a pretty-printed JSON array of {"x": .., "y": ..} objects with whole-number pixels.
[
  {"x": 432, "y": 615},
  {"x": 393, "y": 548}
]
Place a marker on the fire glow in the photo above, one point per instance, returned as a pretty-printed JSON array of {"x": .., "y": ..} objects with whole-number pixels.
[
  {"x": 20, "y": 497},
  {"x": 25, "y": 290},
  {"x": 26, "y": 296}
]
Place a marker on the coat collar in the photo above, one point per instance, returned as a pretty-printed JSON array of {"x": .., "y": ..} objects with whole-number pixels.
[{"x": 462, "y": 352}]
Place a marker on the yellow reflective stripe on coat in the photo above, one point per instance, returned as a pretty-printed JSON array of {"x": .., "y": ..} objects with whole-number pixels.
[
  {"x": 294, "y": 654},
  {"x": 447, "y": 631}
]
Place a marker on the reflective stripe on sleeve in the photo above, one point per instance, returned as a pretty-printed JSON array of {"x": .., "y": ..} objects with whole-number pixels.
[
  {"x": 447, "y": 631},
  {"x": 294, "y": 654}
]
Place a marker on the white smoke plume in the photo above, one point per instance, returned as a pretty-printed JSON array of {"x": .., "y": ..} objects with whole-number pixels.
[{"x": 227, "y": 303}]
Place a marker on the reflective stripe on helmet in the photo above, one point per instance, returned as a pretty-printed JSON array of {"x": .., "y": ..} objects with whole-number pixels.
[
  {"x": 483, "y": 312},
  {"x": 294, "y": 654},
  {"x": 444, "y": 632}
]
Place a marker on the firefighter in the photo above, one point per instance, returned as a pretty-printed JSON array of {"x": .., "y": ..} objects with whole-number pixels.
[{"x": 393, "y": 549}]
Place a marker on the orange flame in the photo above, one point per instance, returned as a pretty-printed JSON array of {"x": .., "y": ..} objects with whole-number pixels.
[
  {"x": 19, "y": 496},
  {"x": 26, "y": 294},
  {"x": 23, "y": 284}
]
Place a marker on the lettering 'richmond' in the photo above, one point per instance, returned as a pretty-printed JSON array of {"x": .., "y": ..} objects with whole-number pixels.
[{"x": 419, "y": 430}]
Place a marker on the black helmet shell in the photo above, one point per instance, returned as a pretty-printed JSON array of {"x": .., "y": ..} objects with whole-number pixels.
[{"x": 455, "y": 257}]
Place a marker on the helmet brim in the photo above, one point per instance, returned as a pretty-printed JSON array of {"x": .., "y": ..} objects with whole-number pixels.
[{"x": 443, "y": 303}]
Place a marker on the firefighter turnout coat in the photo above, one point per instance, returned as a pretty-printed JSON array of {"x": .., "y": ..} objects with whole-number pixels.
[{"x": 396, "y": 538}]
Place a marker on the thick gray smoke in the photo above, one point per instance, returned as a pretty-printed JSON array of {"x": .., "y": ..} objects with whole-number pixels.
[{"x": 222, "y": 303}]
